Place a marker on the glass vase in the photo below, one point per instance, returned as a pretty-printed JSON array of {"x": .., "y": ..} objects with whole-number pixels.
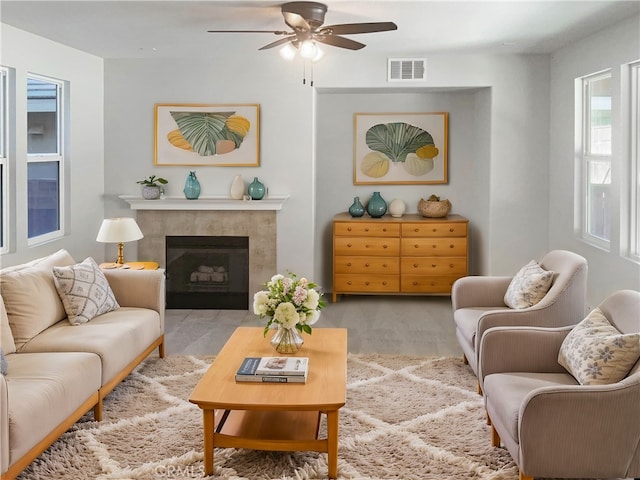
[
  {"x": 192, "y": 186},
  {"x": 287, "y": 340},
  {"x": 256, "y": 189},
  {"x": 376, "y": 207},
  {"x": 356, "y": 209}
]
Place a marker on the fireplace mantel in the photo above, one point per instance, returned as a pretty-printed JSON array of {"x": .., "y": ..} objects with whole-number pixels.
[{"x": 272, "y": 202}]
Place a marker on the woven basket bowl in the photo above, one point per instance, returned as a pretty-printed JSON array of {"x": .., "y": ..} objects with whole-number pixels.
[{"x": 434, "y": 209}]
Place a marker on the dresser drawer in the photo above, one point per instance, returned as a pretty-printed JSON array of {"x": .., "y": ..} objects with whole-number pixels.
[
  {"x": 427, "y": 284},
  {"x": 371, "y": 265},
  {"x": 366, "y": 283},
  {"x": 434, "y": 229},
  {"x": 366, "y": 229},
  {"x": 437, "y": 247},
  {"x": 366, "y": 246},
  {"x": 434, "y": 265}
]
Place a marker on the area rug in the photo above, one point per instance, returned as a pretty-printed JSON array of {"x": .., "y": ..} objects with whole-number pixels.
[{"x": 409, "y": 418}]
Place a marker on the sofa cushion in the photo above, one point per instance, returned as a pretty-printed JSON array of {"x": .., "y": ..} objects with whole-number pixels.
[
  {"x": 84, "y": 290},
  {"x": 125, "y": 332},
  {"x": 528, "y": 286},
  {"x": 21, "y": 284},
  {"x": 45, "y": 389},
  {"x": 6, "y": 337},
  {"x": 596, "y": 353}
]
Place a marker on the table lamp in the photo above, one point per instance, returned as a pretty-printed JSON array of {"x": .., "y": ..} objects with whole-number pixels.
[{"x": 119, "y": 230}]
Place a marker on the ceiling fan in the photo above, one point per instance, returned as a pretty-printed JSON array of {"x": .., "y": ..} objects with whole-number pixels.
[{"x": 306, "y": 21}]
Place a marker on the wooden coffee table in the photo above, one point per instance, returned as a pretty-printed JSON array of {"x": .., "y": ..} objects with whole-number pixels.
[{"x": 283, "y": 417}]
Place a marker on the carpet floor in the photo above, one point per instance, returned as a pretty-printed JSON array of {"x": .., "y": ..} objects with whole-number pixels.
[{"x": 409, "y": 418}]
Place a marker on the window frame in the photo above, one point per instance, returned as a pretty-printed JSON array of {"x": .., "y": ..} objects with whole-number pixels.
[
  {"x": 587, "y": 157},
  {"x": 58, "y": 157},
  {"x": 633, "y": 250},
  {"x": 4, "y": 159}
]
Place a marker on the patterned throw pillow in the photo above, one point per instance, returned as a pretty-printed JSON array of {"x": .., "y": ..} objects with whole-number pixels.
[
  {"x": 528, "y": 286},
  {"x": 84, "y": 290},
  {"x": 596, "y": 353}
]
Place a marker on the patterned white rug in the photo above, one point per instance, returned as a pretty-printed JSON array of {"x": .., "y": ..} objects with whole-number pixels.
[{"x": 405, "y": 418}]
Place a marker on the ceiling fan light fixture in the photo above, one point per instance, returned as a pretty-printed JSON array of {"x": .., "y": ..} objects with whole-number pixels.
[
  {"x": 288, "y": 52},
  {"x": 308, "y": 49},
  {"x": 319, "y": 54}
]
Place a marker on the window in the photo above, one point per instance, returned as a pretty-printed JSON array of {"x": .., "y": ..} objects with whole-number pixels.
[
  {"x": 44, "y": 158},
  {"x": 4, "y": 135},
  {"x": 596, "y": 159},
  {"x": 634, "y": 187}
]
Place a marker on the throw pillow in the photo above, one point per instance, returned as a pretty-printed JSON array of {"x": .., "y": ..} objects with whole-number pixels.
[
  {"x": 84, "y": 291},
  {"x": 596, "y": 353},
  {"x": 528, "y": 286},
  {"x": 4, "y": 366}
]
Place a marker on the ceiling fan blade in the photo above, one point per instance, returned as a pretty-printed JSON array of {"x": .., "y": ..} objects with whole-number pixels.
[
  {"x": 354, "y": 28},
  {"x": 339, "y": 42},
  {"x": 295, "y": 21},
  {"x": 277, "y": 43},
  {"x": 277, "y": 32}
]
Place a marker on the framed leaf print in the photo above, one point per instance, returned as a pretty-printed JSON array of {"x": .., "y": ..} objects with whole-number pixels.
[
  {"x": 400, "y": 148},
  {"x": 200, "y": 134}
]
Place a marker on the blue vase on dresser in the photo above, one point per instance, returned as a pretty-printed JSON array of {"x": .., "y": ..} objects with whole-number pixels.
[
  {"x": 356, "y": 209},
  {"x": 376, "y": 207},
  {"x": 256, "y": 189},
  {"x": 192, "y": 186}
]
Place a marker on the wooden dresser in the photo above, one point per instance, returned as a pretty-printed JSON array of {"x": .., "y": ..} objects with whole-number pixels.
[{"x": 407, "y": 255}]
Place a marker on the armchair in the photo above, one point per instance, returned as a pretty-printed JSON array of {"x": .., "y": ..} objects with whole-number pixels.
[
  {"x": 478, "y": 302},
  {"x": 551, "y": 425}
]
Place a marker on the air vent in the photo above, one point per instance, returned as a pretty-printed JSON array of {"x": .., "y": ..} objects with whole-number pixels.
[{"x": 404, "y": 69}]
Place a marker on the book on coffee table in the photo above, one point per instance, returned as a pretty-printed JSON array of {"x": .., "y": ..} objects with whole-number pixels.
[{"x": 273, "y": 370}]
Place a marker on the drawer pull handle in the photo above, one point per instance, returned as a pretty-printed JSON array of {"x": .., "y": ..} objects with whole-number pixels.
[
  {"x": 384, "y": 283},
  {"x": 416, "y": 246},
  {"x": 415, "y": 283},
  {"x": 384, "y": 230},
  {"x": 349, "y": 264},
  {"x": 366, "y": 283},
  {"x": 434, "y": 230},
  {"x": 452, "y": 246},
  {"x": 366, "y": 264},
  {"x": 384, "y": 265},
  {"x": 384, "y": 246},
  {"x": 416, "y": 230},
  {"x": 366, "y": 229},
  {"x": 451, "y": 265},
  {"x": 349, "y": 282},
  {"x": 349, "y": 245},
  {"x": 348, "y": 229},
  {"x": 366, "y": 246},
  {"x": 434, "y": 246},
  {"x": 415, "y": 265},
  {"x": 433, "y": 265},
  {"x": 452, "y": 230}
]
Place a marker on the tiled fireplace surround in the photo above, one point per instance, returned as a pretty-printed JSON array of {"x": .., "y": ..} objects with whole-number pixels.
[{"x": 259, "y": 226}]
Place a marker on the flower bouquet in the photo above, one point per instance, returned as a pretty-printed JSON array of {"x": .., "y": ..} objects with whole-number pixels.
[{"x": 292, "y": 304}]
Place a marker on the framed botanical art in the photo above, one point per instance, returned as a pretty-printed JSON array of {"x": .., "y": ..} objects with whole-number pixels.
[
  {"x": 202, "y": 134},
  {"x": 400, "y": 148}
]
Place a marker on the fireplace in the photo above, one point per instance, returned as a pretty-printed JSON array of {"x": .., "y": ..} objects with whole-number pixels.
[{"x": 207, "y": 272}]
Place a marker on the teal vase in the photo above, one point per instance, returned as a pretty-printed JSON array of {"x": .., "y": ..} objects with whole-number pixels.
[
  {"x": 376, "y": 207},
  {"x": 192, "y": 186},
  {"x": 256, "y": 189},
  {"x": 356, "y": 209}
]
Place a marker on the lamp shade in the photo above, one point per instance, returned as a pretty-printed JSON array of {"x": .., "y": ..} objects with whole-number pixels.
[{"x": 119, "y": 230}]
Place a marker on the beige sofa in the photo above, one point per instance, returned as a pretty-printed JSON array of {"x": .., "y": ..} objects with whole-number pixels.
[{"x": 56, "y": 371}]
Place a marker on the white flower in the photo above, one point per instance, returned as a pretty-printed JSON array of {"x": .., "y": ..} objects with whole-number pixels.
[
  {"x": 260, "y": 301},
  {"x": 312, "y": 300},
  {"x": 286, "y": 315},
  {"x": 312, "y": 317}
]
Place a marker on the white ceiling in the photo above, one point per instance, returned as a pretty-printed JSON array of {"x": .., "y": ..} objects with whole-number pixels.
[{"x": 151, "y": 28}]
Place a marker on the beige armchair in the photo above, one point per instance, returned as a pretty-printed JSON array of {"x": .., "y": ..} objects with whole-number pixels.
[
  {"x": 478, "y": 302},
  {"x": 551, "y": 425}
]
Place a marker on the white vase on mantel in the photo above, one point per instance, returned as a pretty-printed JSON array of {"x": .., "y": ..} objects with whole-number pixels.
[{"x": 237, "y": 188}]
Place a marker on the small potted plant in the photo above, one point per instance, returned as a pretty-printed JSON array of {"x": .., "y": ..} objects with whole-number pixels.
[{"x": 151, "y": 187}]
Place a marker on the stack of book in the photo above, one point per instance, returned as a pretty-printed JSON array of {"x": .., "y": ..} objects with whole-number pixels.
[{"x": 273, "y": 370}]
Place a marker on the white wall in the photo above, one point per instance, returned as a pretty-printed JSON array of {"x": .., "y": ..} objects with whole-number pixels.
[
  {"x": 608, "y": 49},
  {"x": 25, "y": 53}
]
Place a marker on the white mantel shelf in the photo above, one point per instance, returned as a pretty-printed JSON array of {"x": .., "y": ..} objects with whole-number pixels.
[{"x": 272, "y": 202}]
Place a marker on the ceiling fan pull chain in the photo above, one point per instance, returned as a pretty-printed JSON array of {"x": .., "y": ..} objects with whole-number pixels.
[{"x": 304, "y": 72}]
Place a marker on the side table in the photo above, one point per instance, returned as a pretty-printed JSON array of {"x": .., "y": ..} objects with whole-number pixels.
[{"x": 130, "y": 265}]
